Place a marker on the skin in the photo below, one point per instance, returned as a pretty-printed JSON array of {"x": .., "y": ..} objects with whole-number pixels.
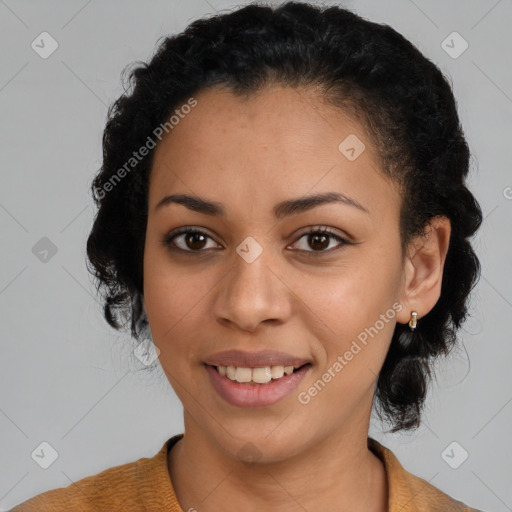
[{"x": 250, "y": 154}]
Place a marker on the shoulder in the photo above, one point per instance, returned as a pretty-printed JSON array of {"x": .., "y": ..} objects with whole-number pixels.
[
  {"x": 128, "y": 487},
  {"x": 410, "y": 493},
  {"x": 91, "y": 493}
]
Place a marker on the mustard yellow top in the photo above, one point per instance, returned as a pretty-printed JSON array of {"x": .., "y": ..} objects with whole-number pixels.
[{"x": 145, "y": 485}]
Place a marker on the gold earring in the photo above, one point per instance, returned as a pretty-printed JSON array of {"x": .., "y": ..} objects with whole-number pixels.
[{"x": 413, "y": 321}]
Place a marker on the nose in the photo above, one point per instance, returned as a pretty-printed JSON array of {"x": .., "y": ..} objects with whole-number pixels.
[{"x": 253, "y": 292}]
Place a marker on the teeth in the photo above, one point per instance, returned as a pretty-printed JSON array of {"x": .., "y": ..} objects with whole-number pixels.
[
  {"x": 230, "y": 372},
  {"x": 257, "y": 375},
  {"x": 243, "y": 374},
  {"x": 262, "y": 375},
  {"x": 277, "y": 372}
]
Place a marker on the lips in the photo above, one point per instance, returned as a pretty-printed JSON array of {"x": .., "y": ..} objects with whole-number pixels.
[
  {"x": 252, "y": 395},
  {"x": 240, "y": 358}
]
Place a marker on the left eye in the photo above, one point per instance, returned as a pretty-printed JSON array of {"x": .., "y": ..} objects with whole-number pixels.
[
  {"x": 194, "y": 240},
  {"x": 320, "y": 238}
]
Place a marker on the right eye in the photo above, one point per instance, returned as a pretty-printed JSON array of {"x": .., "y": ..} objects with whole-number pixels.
[{"x": 187, "y": 235}]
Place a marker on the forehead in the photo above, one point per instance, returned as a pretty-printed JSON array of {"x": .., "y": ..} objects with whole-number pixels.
[{"x": 280, "y": 143}]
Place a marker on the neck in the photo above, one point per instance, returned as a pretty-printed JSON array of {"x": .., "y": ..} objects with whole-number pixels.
[{"x": 337, "y": 473}]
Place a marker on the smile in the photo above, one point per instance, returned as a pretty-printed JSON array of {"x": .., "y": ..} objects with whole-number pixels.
[{"x": 255, "y": 387}]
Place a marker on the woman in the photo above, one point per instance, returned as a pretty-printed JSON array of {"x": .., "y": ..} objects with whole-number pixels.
[{"x": 282, "y": 206}]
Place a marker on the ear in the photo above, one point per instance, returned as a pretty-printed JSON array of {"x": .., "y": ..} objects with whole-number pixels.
[{"x": 423, "y": 270}]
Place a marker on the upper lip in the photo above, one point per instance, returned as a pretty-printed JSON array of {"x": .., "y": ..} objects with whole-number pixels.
[{"x": 262, "y": 358}]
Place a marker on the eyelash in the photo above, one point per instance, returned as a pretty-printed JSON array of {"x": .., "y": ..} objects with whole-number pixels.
[{"x": 168, "y": 240}]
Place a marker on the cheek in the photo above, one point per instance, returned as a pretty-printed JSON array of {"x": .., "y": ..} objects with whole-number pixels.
[
  {"x": 355, "y": 305},
  {"x": 173, "y": 300},
  {"x": 352, "y": 326}
]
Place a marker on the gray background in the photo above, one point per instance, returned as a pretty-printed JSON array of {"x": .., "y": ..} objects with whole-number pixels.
[{"x": 66, "y": 378}]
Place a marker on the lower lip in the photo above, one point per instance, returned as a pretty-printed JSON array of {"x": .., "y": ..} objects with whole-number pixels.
[{"x": 243, "y": 394}]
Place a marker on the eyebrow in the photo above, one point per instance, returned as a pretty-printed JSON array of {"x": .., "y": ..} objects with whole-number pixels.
[{"x": 281, "y": 210}]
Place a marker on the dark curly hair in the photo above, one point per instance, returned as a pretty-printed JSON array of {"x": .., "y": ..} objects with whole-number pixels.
[{"x": 367, "y": 70}]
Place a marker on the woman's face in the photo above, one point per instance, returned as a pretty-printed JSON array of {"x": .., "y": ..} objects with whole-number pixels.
[{"x": 254, "y": 281}]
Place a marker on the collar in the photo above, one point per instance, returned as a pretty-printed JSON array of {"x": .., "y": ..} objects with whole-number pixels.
[{"x": 406, "y": 492}]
